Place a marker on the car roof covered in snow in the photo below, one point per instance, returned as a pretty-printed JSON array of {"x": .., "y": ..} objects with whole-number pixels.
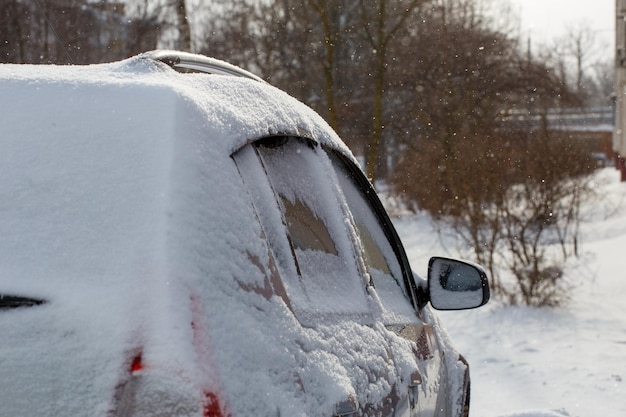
[
  {"x": 82, "y": 144},
  {"x": 237, "y": 107},
  {"x": 122, "y": 209}
]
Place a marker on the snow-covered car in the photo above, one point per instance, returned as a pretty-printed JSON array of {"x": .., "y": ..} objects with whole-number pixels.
[{"x": 181, "y": 239}]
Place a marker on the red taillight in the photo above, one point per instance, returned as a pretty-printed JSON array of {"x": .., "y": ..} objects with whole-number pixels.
[
  {"x": 211, "y": 406},
  {"x": 136, "y": 365}
]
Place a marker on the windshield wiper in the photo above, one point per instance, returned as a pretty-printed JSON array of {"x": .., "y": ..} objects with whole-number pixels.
[{"x": 14, "y": 301}]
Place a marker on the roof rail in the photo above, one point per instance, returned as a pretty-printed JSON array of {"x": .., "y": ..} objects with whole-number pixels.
[{"x": 187, "y": 62}]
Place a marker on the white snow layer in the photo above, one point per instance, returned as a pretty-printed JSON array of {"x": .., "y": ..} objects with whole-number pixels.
[
  {"x": 112, "y": 208},
  {"x": 541, "y": 362}
]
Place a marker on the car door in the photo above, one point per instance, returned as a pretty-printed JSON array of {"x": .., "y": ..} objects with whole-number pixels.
[{"x": 392, "y": 280}]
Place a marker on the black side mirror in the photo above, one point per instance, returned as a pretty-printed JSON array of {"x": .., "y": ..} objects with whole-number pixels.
[{"x": 456, "y": 285}]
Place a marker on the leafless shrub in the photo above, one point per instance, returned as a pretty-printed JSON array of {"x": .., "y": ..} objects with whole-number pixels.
[{"x": 516, "y": 202}]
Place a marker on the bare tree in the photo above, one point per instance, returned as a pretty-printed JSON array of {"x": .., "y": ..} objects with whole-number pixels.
[
  {"x": 331, "y": 37},
  {"x": 577, "y": 49},
  {"x": 184, "y": 29},
  {"x": 540, "y": 217},
  {"x": 332, "y": 54},
  {"x": 144, "y": 26},
  {"x": 381, "y": 21},
  {"x": 500, "y": 183},
  {"x": 72, "y": 31},
  {"x": 604, "y": 70},
  {"x": 13, "y": 24}
]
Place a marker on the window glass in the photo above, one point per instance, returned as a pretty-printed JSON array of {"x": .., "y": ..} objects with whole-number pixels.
[
  {"x": 380, "y": 258},
  {"x": 303, "y": 220}
]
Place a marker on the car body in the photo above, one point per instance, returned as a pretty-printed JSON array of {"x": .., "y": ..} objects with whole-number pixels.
[{"x": 189, "y": 245}]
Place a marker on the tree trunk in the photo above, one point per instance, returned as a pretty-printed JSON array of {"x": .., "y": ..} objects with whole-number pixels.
[
  {"x": 183, "y": 26},
  {"x": 374, "y": 143}
]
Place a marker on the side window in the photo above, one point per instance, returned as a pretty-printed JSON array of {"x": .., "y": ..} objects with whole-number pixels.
[
  {"x": 382, "y": 261},
  {"x": 301, "y": 215}
]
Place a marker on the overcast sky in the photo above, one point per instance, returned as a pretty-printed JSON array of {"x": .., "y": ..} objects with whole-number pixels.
[{"x": 545, "y": 20}]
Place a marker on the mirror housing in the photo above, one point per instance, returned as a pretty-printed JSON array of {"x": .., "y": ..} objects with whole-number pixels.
[{"x": 456, "y": 285}]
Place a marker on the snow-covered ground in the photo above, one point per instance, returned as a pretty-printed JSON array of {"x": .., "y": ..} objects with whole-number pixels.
[{"x": 540, "y": 362}]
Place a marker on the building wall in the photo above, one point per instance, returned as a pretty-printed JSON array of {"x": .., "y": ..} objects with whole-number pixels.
[{"x": 619, "y": 141}]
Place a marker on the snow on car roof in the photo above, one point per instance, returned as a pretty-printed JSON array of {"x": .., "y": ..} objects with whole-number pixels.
[
  {"x": 236, "y": 106},
  {"x": 130, "y": 130},
  {"x": 121, "y": 207}
]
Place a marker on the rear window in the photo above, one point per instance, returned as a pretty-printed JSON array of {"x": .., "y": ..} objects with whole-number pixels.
[{"x": 300, "y": 210}]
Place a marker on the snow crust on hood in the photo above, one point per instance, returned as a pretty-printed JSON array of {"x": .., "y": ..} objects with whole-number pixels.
[{"x": 120, "y": 206}]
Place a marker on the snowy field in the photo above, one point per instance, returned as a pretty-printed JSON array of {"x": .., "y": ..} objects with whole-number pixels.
[{"x": 531, "y": 362}]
